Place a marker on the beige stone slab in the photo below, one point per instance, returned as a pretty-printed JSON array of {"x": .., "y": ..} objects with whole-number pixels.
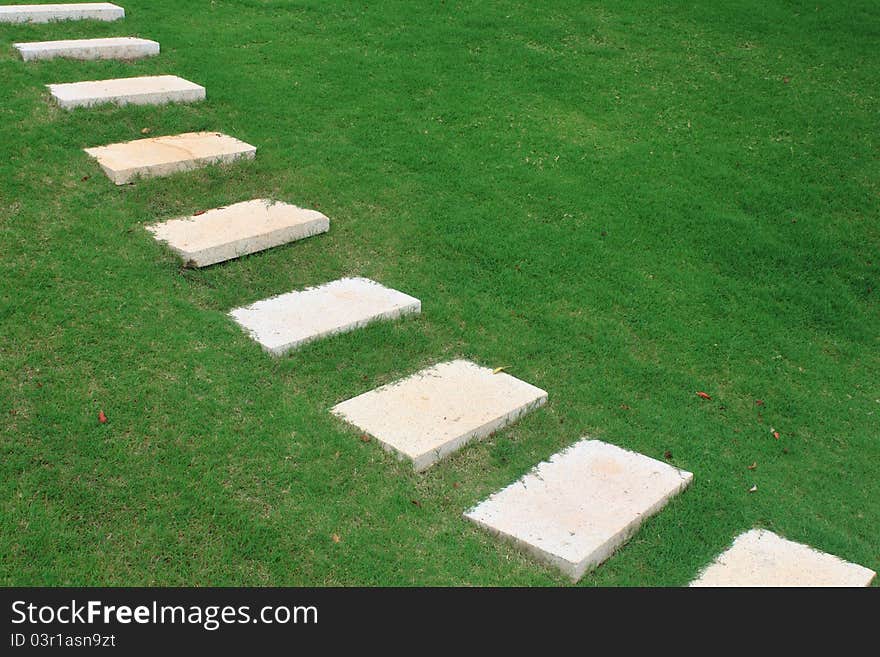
[
  {"x": 111, "y": 48},
  {"x": 161, "y": 156},
  {"x": 762, "y": 558},
  {"x": 576, "y": 509},
  {"x": 148, "y": 90},
  {"x": 98, "y": 11},
  {"x": 286, "y": 322},
  {"x": 437, "y": 411},
  {"x": 239, "y": 229}
]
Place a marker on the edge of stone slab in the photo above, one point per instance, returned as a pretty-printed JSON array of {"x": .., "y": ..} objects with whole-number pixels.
[
  {"x": 414, "y": 307},
  {"x": 125, "y": 176},
  {"x": 409, "y": 309},
  {"x": 426, "y": 460},
  {"x": 212, "y": 255},
  {"x": 194, "y": 94},
  {"x": 154, "y": 48},
  {"x": 113, "y": 12},
  {"x": 576, "y": 570}
]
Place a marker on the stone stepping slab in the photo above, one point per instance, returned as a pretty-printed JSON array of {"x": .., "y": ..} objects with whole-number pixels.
[
  {"x": 576, "y": 509},
  {"x": 226, "y": 233},
  {"x": 150, "y": 90},
  {"x": 286, "y": 322},
  {"x": 98, "y": 11},
  {"x": 162, "y": 156},
  {"x": 112, "y": 48},
  {"x": 437, "y": 411},
  {"x": 762, "y": 558}
]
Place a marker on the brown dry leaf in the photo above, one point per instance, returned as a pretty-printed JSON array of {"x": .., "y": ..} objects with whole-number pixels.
[
  {"x": 146, "y": 131},
  {"x": 416, "y": 503},
  {"x": 753, "y": 466},
  {"x": 365, "y": 438},
  {"x": 624, "y": 407},
  {"x": 667, "y": 455},
  {"x": 335, "y": 538}
]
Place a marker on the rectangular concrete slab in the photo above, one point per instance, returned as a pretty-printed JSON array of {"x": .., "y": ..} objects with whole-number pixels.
[
  {"x": 161, "y": 156},
  {"x": 97, "y": 11},
  {"x": 437, "y": 411},
  {"x": 112, "y": 48},
  {"x": 289, "y": 321},
  {"x": 576, "y": 509},
  {"x": 236, "y": 230},
  {"x": 762, "y": 558},
  {"x": 149, "y": 90}
]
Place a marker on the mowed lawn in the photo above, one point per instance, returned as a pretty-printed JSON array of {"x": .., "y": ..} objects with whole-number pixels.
[{"x": 623, "y": 202}]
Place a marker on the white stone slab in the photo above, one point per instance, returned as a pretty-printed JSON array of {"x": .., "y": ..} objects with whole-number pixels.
[
  {"x": 161, "y": 156},
  {"x": 149, "y": 90},
  {"x": 112, "y": 48},
  {"x": 576, "y": 509},
  {"x": 762, "y": 558},
  {"x": 286, "y": 322},
  {"x": 98, "y": 11},
  {"x": 237, "y": 230},
  {"x": 437, "y": 411}
]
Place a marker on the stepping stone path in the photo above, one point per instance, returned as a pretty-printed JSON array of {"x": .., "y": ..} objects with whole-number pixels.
[
  {"x": 240, "y": 229},
  {"x": 762, "y": 558},
  {"x": 112, "y": 48},
  {"x": 576, "y": 509},
  {"x": 283, "y": 323},
  {"x": 572, "y": 511},
  {"x": 153, "y": 90},
  {"x": 437, "y": 411},
  {"x": 98, "y": 11},
  {"x": 161, "y": 156}
]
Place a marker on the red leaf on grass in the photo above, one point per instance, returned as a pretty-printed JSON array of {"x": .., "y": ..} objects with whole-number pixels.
[
  {"x": 199, "y": 212},
  {"x": 101, "y": 417},
  {"x": 703, "y": 395}
]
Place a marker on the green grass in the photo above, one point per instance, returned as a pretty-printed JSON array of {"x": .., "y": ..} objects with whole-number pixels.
[{"x": 626, "y": 202}]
